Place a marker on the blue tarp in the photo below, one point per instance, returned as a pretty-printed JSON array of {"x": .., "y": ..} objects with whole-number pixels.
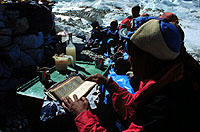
[{"x": 121, "y": 80}]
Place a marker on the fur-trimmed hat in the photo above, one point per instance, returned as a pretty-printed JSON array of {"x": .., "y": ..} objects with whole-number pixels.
[{"x": 160, "y": 39}]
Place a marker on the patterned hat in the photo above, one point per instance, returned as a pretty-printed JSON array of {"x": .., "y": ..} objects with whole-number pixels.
[{"x": 160, "y": 39}]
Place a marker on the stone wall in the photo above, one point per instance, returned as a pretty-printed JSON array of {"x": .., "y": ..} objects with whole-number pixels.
[{"x": 24, "y": 28}]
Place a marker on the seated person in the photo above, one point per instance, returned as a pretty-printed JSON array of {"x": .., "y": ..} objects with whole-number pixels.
[
  {"x": 108, "y": 38},
  {"x": 112, "y": 36},
  {"x": 169, "y": 90},
  {"x": 126, "y": 23},
  {"x": 96, "y": 35},
  {"x": 166, "y": 16}
]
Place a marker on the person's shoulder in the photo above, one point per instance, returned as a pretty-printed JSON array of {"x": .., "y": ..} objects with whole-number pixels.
[
  {"x": 92, "y": 31},
  {"x": 130, "y": 17},
  {"x": 107, "y": 28},
  {"x": 101, "y": 27},
  {"x": 127, "y": 19}
]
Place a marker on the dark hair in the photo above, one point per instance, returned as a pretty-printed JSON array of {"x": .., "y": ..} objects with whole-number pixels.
[
  {"x": 95, "y": 24},
  {"x": 137, "y": 8}
]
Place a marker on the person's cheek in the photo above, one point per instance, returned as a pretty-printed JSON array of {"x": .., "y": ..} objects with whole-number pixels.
[{"x": 129, "y": 58}]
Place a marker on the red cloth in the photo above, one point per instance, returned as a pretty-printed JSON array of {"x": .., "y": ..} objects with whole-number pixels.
[
  {"x": 125, "y": 103},
  {"x": 87, "y": 122},
  {"x": 126, "y": 23}
]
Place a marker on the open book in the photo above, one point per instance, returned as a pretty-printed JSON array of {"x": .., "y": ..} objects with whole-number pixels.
[{"x": 69, "y": 87}]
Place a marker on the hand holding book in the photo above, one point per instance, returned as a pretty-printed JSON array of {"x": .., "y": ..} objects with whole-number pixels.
[
  {"x": 77, "y": 106},
  {"x": 69, "y": 87},
  {"x": 98, "y": 78}
]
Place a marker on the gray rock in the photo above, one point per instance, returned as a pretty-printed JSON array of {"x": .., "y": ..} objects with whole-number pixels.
[
  {"x": 4, "y": 70},
  {"x": 21, "y": 26},
  {"x": 37, "y": 55},
  {"x": 91, "y": 54},
  {"x": 10, "y": 24},
  {"x": 76, "y": 32},
  {"x": 5, "y": 41},
  {"x": 25, "y": 41},
  {"x": 6, "y": 31},
  {"x": 2, "y": 25},
  {"x": 15, "y": 54},
  {"x": 29, "y": 41},
  {"x": 12, "y": 15},
  {"x": 21, "y": 59},
  {"x": 1, "y": 16},
  {"x": 2, "y": 8}
]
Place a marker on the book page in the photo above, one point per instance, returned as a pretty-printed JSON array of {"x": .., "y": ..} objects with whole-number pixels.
[
  {"x": 82, "y": 89},
  {"x": 66, "y": 87}
]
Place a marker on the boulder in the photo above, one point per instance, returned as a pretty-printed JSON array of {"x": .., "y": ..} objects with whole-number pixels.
[
  {"x": 12, "y": 15},
  {"x": 6, "y": 31},
  {"x": 2, "y": 25},
  {"x": 29, "y": 41},
  {"x": 2, "y": 8},
  {"x": 5, "y": 72},
  {"x": 21, "y": 26},
  {"x": 37, "y": 55},
  {"x": 5, "y": 41}
]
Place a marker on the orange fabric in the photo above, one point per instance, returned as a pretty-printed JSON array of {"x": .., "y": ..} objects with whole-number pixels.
[{"x": 169, "y": 16}]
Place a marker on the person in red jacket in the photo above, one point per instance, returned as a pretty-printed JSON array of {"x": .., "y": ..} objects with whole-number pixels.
[
  {"x": 126, "y": 23},
  {"x": 168, "y": 95}
]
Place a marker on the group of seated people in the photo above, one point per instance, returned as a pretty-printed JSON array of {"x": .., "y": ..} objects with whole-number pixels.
[
  {"x": 166, "y": 79},
  {"x": 103, "y": 40},
  {"x": 109, "y": 39}
]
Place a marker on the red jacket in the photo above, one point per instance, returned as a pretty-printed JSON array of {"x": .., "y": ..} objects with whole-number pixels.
[
  {"x": 169, "y": 104},
  {"x": 126, "y": 23}
]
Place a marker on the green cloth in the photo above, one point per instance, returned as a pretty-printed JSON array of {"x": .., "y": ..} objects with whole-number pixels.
[{"x": 35, "y": 88}]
